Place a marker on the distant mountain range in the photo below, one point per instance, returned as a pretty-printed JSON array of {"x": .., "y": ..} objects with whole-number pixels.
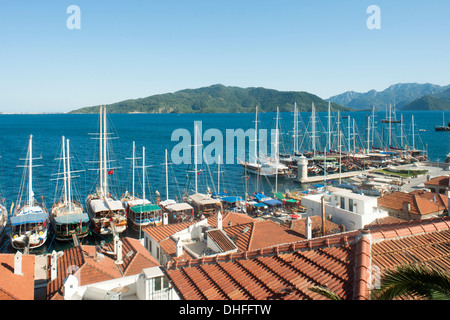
[
  {"x": 219, "y": 99},
  {"x": 405, "y": 96}
]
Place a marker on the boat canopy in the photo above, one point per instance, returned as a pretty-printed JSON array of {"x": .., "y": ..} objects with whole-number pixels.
[
  {"x": 260, "y": 196},
  {"x": 272, "y": 202},
  {"x": 179, "y": 207},
  {"x": 202, "y": 199},
  {"x": 140, "y": 208},
  {"x": 72, "y": 218},
  {"x": 99, "y": 205},
  {"x": 279, "y": 196},
  {"x": 231, "y": 199},
  {"x": 29, "y": 218},
  {"x": 259, "y": 205}
]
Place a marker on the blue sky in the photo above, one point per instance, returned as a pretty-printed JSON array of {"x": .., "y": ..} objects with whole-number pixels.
[{"x": 132, "y": 49}]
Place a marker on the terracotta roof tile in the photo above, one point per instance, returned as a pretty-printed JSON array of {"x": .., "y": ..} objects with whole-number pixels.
[{"x": 13, "y": 286}]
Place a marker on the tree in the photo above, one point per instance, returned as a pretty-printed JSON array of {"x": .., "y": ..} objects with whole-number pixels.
[{"x": 417, "y": 281}]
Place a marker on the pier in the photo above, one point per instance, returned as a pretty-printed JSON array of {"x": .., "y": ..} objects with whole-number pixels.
[{"x": 332, "y": 176}]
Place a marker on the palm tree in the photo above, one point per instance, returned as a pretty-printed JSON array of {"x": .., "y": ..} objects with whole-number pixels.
[{"x": 417, "y": 281}]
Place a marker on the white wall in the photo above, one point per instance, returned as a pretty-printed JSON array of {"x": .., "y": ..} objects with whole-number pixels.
[{"x": 363, "y": 213}]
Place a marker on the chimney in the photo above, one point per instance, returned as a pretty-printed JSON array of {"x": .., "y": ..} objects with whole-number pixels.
[
  {"x": 70, "y": 287},
  {"x": 165, "y": 219},
  {"x": 219, "y": 220},
  {"x": 18, "y": 263},
  {"x": 53, "y": 266},
  {"x": 308, "y": 228},
  {"x": 118, "y": 250},
  {"x": 179, "y": 247}
]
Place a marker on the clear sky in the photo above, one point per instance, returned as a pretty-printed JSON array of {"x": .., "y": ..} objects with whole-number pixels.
[{"x": 132, "y": 49}]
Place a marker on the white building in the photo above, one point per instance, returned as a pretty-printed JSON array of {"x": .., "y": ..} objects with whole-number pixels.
[
  {"x": 344, "y": 207},
  {"x": 150, "y": 284}
]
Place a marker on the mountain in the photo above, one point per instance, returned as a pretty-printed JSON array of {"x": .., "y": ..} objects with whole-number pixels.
[
  {"x": 438, "y": 101},
  {"x": 219, "y": 99},
  {"x": 400, "y": 94}
]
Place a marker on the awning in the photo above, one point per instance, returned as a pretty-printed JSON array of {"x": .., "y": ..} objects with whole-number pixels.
[
  {"x": 260, "y": 196},
  {"x": 291, "y": 200},
  {"x": 273, "y": 202},
  {"x": 140, "y": 208},
  {"x": 279, "y": 196},
  {"x": 179, "y": 207},
  {"x": 29, "y": 218},
  {"x": 231, "y": 199},
  {"x": 72, "y": 218}
]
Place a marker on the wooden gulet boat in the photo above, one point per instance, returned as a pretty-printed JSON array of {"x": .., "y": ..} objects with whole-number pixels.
[
  {"x": 67, "y": 216},
  {"x": 29, "y": 224},
  {"x": 106, "y": 214}
]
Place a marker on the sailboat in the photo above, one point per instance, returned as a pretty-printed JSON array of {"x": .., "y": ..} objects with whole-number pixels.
[
  {"x": 443, "y": 127},
  {"x": 254, "y": 166},
  {"x": 67, "y": 215},
  {"x": 265, "y": 166},
  {"x": 29, "y": 224},
  {"x": 141, "y": 212},
  {"x": 106, "y": 214},
  {"x": 175, "y": 211}
]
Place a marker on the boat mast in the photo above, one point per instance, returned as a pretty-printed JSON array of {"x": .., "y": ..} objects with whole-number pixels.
[
  {"x": 390, "y": 125},
  {"x": 339, "y": 144},
  {"x": 195, "y": 156},
  {"x": 218, "y": 174},
  {"x": 414, "y": 145},
  {"x": 64, "y": 170},
  {"x": 256, "y": 135},
  {"x": 349, "y": 135},
  {"x": 276, "y": 151},
  {"x": 30, "y": 172},
  {"x": 69, "y": 194},
  {"x": 368, "y": 134},
  {"x": 295, "y": 129},
  {"x": 143, "y": 176},
  {"x": 133, "y": 167},
  {"x": 105, "y": 179},
  {"x": 101, "y": 153},
  {"x": 313, "y": 128},
  {"x": 329, "y": 125},
  {"x": 167, "y": 179}
]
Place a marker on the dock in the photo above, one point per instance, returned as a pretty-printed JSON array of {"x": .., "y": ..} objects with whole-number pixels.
[{"x": 332, "y": 176}]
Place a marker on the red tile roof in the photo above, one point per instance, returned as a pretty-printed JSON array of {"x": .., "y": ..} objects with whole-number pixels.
[
  {"x": 13, "y": 286},
  {"x": 341, "y": 262},
  {"x": 91, "y": 268},
  {"x": 421, "y": 203},
  {"x": 442, "y": 181}
]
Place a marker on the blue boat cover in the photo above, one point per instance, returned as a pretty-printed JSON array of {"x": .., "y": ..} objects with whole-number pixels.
[
  {"x": 273, "y": 202},
  {"x": 231, "y": 199},
  {"x": 258, "y": 205},
  {"x": 260, "y": 196},
  {"x": 72, "y": 218},
  {"x": 29, "y": 218}
]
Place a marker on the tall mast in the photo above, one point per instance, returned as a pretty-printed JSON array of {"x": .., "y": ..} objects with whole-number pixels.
[
  {"x": 30, "y": 172},
  {"x": 390, "y": 125},
  {"x": 69, "y": 194},
  {"x": 339, "y": 143},
  {"x": 401, "y": 130},
  {"x": 64, "y": 169},
  {"x": 313, "y": 128},
  {"x": 105, "y": 178},
  {"x": 329, "y": 125},
  {"x": 276, "y": 152},
  {"x": 218, "y": 174},
  {"x": 414, "y": 145},
  {"x": 354, "y": 137},
  {"x": 143, "y": 175},
  {"x": 368, "y": 134},
  {"x": 133, "y": 167},
  {"x": 349, "y": 135},
  {"x": 195, "y": 156},
  {"x": 101, "y": 153},
  {"x": 167, "y": 179},
  {"x": 256, "y": 135},
  {"x": 295, "y": 129}
]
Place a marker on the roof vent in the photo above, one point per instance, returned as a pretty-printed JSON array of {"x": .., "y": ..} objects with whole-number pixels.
[{"x": 245, "y": 229}]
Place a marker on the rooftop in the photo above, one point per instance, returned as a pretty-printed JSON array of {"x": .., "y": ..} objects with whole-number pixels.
[{"x": 339, "y": 262}]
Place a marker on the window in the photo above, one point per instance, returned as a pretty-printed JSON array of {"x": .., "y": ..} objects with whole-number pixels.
[
  {"x": 350, "y": 205},
  {"x": 342, "y": 203}
]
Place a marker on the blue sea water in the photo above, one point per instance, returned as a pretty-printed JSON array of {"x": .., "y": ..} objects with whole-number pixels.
[{"x": 154, "y": 131}]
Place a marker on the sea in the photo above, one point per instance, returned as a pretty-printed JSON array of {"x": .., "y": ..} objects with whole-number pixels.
[{"x": 158, "y": 133}]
